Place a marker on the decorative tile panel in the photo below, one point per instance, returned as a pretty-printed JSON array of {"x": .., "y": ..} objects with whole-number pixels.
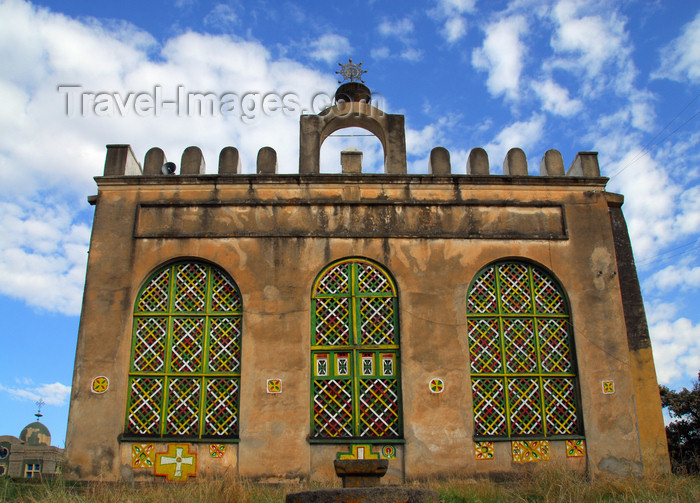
[
  {"x": 575, "y": 448},
  {"x": 217, "y": 451},
  {"x": 484, "y": 450},
  {"x": 526, "y": 451},
  {"x": 358, "y": 451},
  {"x": 143, "y": 455}
]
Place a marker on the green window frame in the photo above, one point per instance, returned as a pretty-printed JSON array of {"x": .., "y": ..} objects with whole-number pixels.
[
  {"x": 185, "y": 368},
  {"x": 522, "y": 358},
  {"x": 355, "y": 356}
]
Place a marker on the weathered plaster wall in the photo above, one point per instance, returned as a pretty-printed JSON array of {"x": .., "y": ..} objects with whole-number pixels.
[{"x": 274, "y": 234}]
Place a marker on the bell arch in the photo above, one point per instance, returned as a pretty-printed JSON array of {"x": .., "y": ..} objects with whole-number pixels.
[{"x": 388, "y": 128}]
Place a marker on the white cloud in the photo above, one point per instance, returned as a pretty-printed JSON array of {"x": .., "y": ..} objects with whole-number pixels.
[
  {"x": 676, "y": 346},
  {"x": 680, "y": 59},
  {"x": 660, "y": 311},
  {"x": 52, "y": 394},
  {"x": 450, "y": 12},
  {"x": 675, "y": 277},
  {"x": 555, "y": 99},
  {"x": 222, "y": 16},
  {"x": 650, "y": 196},
  {"x": 419, "y": 142},
  {"x": 662, "y": 195},
  {"x": 330, "y": 47},
  {"x": 42, "y": 151},
  {"x": 411, "y": 54},
  {"x": 455, "y": 28},
  {"x": 595, "y": 38},
  {"x": 43, "y": 255},
  {"x": 521, "y": 134},
  {"x": 687, "y": 221},
  {"x": 400, "y": 28},
  {"x": 457, "y": 5},
  {"x": 380, "y": 52},
  {"x": 501, "y": 55},
  {"x": 588, "y": 38}
]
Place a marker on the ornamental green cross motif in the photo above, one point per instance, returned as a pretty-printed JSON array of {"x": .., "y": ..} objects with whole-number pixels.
[{"x": 351, "y": 71}]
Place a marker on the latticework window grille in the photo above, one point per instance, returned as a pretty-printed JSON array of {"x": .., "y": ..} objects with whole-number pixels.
[
  {"x": 523, "y": 373},
  {"x": 184, "y": 378},
  {"x": 355, "y": 389}
]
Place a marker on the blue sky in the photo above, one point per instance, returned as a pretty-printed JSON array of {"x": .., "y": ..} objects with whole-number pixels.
[{"x": 621, "y": 77}]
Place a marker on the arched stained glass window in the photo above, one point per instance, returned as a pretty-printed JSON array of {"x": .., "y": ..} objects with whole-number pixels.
[
  {"x": 356, "y": 387},
  {"x": 184, "y": 378},
  {"x": 523, "y": 371}
]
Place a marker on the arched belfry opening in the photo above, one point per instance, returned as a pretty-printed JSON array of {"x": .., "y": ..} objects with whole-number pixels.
[
  {"x": 352, "y": 150},
  {"x": 353, "y": 108}
]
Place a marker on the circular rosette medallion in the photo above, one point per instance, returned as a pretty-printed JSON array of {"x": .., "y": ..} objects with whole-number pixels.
[
  {"x": 99, "y": 385},
  {"x": 436, "y": 385}
]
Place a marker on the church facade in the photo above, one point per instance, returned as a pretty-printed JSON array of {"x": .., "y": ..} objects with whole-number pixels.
[{"x": 265, "y": 324}]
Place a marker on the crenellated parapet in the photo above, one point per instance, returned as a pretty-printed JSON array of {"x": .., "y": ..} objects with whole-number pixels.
[
  {"x": 120, "y": 160},
  {"x": 353, "y": 108}
]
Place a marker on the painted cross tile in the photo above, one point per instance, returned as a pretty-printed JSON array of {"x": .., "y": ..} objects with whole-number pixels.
[{"x": 177, "y": 464}]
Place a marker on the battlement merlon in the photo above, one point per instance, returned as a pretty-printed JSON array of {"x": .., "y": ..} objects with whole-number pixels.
[{"x": 121, "y": 161}]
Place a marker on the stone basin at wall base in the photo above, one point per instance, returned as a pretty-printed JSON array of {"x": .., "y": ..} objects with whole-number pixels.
[
  {"x": 361, "y": 472},
  {"x": 385, "y": 494}
]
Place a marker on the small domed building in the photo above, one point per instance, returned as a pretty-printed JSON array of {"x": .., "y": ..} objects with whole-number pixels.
[{"x": 31, "y": 455}]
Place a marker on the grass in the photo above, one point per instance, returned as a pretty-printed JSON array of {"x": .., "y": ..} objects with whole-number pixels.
[{"x": 547, "y": 486}]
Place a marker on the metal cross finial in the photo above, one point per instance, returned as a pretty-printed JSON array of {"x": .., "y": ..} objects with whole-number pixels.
[
  {"x": 351, "y": 71},
  {"x": 39, "y": 404}
]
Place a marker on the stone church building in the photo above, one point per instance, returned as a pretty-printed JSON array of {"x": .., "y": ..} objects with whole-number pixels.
[
  {"x": 30, "y": 455},
  {"x": 263, "y": 325}
]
